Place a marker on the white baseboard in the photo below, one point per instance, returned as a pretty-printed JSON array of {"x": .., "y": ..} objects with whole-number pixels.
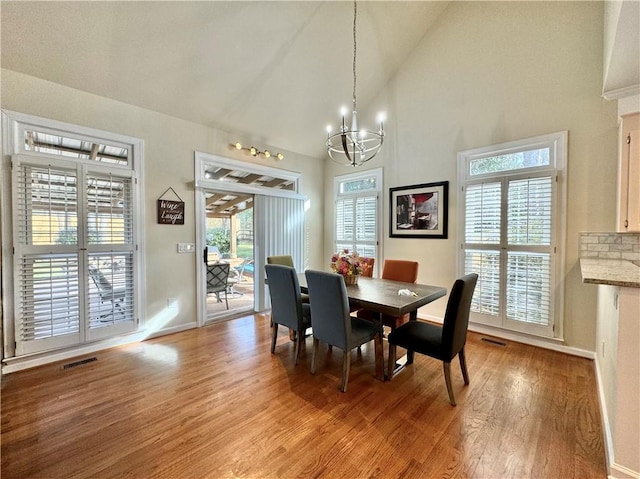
[
  {"x": 608, "y": 438},
  {"x": 12, "y": 365},
  {"x": 621, "y": 472}
]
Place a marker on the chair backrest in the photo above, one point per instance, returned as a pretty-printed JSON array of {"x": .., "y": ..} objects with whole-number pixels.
[
  {"x": 217, "y": 277},
  {"x": 100, "y": 280},
  {"x": 456, "y": 317},
  {"x": 329, "y": 302},
  {"x": 285, "y": 260},
  {"x": 400, "y": 270},
  {"x": 284, "y": 289},
  {"x": 367, "y": 266}
]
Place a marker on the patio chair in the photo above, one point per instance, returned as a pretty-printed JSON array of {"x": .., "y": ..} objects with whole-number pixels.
[{"x": 217, "y": 280}]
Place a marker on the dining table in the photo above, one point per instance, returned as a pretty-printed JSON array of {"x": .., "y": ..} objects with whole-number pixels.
[{"x": 385, "y": 296}]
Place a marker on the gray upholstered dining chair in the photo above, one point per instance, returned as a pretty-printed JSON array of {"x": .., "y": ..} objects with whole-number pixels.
[
  {"x": 286, "y": 305},
  {"x": 332, "y": 323},
  {"x": 286, "y": 260},
  {"x": 442, "y": 343}
]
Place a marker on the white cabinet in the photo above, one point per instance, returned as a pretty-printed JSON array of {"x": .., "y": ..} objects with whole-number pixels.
[
  {"x": 618, "y": 366},
  {"x": 629, "y": 174}
]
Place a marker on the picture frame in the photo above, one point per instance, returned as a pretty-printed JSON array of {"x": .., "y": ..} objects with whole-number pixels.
[{"x": 419, "y": 211}]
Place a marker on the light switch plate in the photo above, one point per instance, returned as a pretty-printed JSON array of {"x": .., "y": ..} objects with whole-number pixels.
[{"x": 186, "y": 247}]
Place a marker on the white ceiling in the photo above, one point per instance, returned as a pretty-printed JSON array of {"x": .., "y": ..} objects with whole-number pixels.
[
  {"x": 622, "y": 62},
  {"x": 271, "y": 71}
]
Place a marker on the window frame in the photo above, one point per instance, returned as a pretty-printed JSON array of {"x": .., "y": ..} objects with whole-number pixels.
[
  {"x": 376, "y": 173},
  {"x": 557, "y": 144}
]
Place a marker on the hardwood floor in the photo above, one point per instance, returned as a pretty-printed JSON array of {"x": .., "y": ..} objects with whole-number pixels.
[{"x": 215, "y": 403}]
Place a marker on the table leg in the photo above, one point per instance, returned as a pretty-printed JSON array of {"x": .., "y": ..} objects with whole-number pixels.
[{"x": 395, "y": 365}]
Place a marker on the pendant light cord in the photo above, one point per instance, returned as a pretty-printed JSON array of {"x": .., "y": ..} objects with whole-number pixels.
[{"x": 355, "y": 11}]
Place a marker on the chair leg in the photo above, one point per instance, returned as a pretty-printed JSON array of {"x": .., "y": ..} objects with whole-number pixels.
[
  {"x": 298, "y": 346},
  {"x": 314, "y": 357},
  {"x": 463, "y": 366},
  {"x": 346, "y": 367},
  {"x": 447, "y": 379},
  {"x": 391, "y": 361},
  {"x": 274, "y": 335}
]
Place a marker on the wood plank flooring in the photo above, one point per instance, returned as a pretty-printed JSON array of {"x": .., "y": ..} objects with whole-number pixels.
[{"x": 214, "y": 403}]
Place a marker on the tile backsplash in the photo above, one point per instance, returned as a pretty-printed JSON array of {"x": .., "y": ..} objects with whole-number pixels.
[{"x": 610, "y": 246}]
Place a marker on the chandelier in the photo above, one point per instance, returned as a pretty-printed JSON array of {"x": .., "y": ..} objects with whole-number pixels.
[{"x": 351, "y": 146}]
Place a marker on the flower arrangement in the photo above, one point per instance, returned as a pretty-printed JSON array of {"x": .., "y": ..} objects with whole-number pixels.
[{"x": 348, "y": 264}]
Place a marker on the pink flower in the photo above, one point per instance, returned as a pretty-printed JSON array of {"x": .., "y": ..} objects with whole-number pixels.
[{"x": 346, "y": 263}]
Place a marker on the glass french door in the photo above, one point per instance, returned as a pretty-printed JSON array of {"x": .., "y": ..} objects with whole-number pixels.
[{"x": 74, "y": 253}]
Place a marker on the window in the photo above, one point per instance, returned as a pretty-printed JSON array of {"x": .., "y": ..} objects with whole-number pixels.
[
  {"x": 357, "y": 213},
  {"x": 513, "y": 198},
  {"x": 75, "y": 223}
]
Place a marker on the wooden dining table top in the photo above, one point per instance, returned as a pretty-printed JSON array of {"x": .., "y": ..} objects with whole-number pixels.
[{"x": 381, "y": 295}]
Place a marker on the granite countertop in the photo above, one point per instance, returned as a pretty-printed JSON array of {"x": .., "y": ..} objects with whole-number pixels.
[{"x": 614, "y": 272}]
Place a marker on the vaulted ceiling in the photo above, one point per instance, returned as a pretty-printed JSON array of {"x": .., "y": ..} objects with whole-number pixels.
[{"x": 271, "y": 71}]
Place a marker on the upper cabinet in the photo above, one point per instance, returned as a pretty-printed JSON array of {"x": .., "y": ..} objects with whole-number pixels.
[
  {"x": 629, "y": 174},
  {"x": 621, "y": 49}
]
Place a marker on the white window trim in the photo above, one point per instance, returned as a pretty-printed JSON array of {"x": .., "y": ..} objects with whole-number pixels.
[
  {"x": 557, "y": 142},
  {"x": 13, "y": 126},
  {"x": 378, "y": 174}
]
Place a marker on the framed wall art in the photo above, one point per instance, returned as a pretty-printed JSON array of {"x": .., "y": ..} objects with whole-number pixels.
[{"x": 419, "y": 211}]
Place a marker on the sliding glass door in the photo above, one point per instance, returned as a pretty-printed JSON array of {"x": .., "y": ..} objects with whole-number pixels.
[{"x": 229, "y": 238}]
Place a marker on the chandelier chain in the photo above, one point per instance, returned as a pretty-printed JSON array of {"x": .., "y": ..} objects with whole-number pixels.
[{"x": 355, "y": 11}]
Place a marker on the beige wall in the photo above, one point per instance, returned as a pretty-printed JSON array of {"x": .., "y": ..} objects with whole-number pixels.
[
  {"x": 169, "y": 145},
  {"x": 489, "y": 73}
]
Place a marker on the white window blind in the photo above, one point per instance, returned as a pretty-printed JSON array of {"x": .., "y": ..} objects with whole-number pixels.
[
  {"x": 109, "y": 215},
  {"x": 345, "y": 221},
  {"x": 46, "y": 205},
  {"x": 483, "y": 207},
  {"x": 486, "y": 299},
  {"x": 48, "y": 291},
  {"x": 110, "y": 291},
  {"x": 529, "y": 211},
  {"x": 510, "y": 231},
  {"x": 47, "y": 280},
  {"x": 282, "y": 220}
]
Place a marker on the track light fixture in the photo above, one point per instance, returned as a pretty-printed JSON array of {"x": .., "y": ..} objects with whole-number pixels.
[{"x": 253, "y": 151}]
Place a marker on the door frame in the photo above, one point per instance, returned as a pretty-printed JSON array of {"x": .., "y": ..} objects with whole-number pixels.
[{"x": 202, "y": 161}]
